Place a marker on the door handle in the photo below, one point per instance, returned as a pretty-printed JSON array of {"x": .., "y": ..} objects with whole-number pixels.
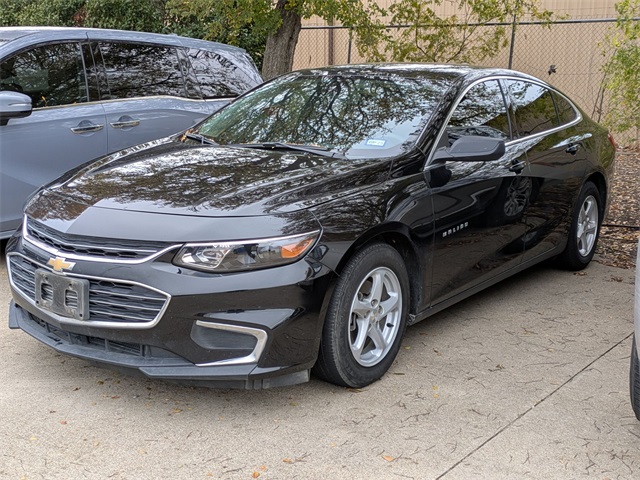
[
  {"x": 573, "y": 148},
  {"x": 86, "y": 126},
  {"x": 517, "y": 167},
  {"x": 124, "y": 122}
]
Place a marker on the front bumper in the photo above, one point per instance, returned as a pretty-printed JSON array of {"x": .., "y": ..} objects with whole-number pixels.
[
  {"x": 249, "y": 330},
  {"x": 152, "y": 362}
]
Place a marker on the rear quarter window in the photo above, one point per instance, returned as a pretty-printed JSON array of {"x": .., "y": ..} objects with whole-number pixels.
[
  {"x": 533, "y": 106},
  {"x": 219, "y": 76},
  {"x": 566, "y": 110}
]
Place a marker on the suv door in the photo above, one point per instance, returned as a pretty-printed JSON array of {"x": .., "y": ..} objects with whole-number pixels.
[
  {"x": 66, "y": 127},
  {"x": 146, "y": 92}
]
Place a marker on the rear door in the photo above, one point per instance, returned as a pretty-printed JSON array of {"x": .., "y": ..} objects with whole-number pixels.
[
  {"x": 146, "y": 92},
  {"x": 65, "y": 129},
  {"x": 547, "y": 127}
]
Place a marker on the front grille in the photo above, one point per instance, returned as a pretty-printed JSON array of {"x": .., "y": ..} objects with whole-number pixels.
[
  {"x": 109, "y": 300},
  {"x": 92, "y": 246}
]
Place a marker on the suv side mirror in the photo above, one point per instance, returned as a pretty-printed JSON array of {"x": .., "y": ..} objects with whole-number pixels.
[
  {"x": 14, "y": 105},
  {"x": 472, "y": 148}
]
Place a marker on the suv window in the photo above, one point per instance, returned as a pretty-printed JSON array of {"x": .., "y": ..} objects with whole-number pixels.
[
  {"x": 138, "y": 70},
  {"x": 482, "y": 112},
  {"x": 535, "y": 110},
  {"x": 566, "y": 112},
  {"x": 218, "y": 76},
  {"x": 51, "y": 75}
]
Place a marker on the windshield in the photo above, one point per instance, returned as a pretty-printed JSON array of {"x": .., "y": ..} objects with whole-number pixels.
[{"x": 354, "y": 115}]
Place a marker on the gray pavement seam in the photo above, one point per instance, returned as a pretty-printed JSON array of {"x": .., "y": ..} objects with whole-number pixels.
[{"x": 523, "y": 414}]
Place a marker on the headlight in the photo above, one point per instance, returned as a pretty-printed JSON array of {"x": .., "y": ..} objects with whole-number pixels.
[{"x": 245, "y": 255}]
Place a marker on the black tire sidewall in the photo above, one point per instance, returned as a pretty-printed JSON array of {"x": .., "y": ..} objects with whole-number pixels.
[
  {"x": 571, "y": 258},
  {"x": 343, "y": 367},
  {"x": 634, "y": 379}
]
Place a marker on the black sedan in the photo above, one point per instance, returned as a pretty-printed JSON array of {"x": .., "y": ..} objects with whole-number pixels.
[{"x": 305, "y": 225}]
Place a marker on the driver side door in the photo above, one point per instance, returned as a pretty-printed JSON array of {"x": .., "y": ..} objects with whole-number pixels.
[{"x": 479, "y": 207}]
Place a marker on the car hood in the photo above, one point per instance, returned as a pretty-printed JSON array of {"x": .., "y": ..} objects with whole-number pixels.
[{"x": 173, "y": 177}]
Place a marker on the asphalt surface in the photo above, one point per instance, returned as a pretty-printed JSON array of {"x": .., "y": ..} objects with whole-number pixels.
[{"x": 528, "y": 379}]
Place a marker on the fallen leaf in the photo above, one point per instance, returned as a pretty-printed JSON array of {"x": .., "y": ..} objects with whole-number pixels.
[
  {"x": 63, "y": 422},
  {"x": 255, "y": 474},
  {"x": 287, "y": 460},
  {"x": 388, "y": 458}
]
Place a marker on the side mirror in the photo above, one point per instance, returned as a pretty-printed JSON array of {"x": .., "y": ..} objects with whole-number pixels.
[
  {"x": 14, "y": 105},
  {"x": 472, "y": 148}
]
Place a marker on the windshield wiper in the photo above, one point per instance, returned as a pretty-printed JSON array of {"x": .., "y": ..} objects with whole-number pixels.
[
  {"x": 199, "y": 138},
  {"x": 316, "y": 149}
]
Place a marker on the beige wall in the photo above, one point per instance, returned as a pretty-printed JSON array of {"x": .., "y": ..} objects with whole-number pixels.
[{"x": 574, "y": 8}]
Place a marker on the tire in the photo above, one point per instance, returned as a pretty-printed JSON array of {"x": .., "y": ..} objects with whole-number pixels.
[
  {"x": 366, "y": 318},
  {"x": 634, "y": 380},
  {"x": 585, "y": 229}
]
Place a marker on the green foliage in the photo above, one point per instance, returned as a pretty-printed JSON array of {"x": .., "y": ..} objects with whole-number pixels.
[
  {"x": 141, "y": 15},
  {"x": 244, "y": 23},
  {"x": 622, "y": 75},
  {"x": 41, "y": 12},
  {"x": 460, "y": 38}
]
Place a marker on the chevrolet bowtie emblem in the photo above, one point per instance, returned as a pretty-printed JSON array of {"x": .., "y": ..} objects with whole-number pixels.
[{"x": 59, "y": 264}]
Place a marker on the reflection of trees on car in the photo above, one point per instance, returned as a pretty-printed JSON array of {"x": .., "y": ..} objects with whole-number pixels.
[{"x": 337, "y": 112}]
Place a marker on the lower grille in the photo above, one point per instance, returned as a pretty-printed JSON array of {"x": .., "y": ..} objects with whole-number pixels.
[
  {"x": 109, "y": 300},
  {"x": 102, "y": 344}
]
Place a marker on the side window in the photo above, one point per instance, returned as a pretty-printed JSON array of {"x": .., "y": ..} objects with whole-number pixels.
[
  {"x": 219, "y": 77},
  {"x": 51, "y": 75},
  {"x": 138, "y": 70},
  {"x": 566, "y": 111},
  {"x": 535, "y": 111},
  {"x": 482, "y": 112}
]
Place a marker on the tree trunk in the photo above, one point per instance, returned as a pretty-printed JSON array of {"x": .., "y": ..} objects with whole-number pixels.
[{"x": 281, "y": 45}]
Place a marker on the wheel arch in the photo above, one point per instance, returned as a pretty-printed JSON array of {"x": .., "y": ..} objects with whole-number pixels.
[
  {"x": 598, "y": 179},
  {"x": 398, "y": 236}
]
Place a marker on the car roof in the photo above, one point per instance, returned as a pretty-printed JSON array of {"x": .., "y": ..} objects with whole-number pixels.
[
  {"x": 16, "y": 38},
  {"x": 452, "y": 73}
]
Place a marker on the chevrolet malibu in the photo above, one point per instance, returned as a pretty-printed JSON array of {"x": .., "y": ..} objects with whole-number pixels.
[{"x": 303, "y": 227}]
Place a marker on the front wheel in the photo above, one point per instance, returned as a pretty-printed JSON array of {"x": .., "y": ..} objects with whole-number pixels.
[
  {"x": 366, "y": 318},
  {"x": 585, "y": 229}
]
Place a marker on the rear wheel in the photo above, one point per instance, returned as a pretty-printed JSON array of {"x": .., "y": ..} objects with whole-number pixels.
[
  {"x": 365, "y": 319},
  {"x": 634, "y": 380},
  {"x": 585, "y": 229}
]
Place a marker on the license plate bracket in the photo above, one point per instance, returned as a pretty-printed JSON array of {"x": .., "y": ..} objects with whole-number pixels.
[{"x": 65, "y": 296}]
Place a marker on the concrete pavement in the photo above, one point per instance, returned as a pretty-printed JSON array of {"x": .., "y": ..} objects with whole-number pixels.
[{"x": 526, "y": 380}]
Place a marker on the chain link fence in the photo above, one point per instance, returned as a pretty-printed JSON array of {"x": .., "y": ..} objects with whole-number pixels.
[{"x": 569, "y": 54}]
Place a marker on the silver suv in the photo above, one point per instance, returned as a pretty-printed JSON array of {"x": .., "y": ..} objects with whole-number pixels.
[{"x": 68, "y": 95}]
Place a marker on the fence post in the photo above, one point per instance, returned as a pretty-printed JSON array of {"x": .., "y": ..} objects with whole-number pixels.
[
  {"x": 513, "y": 40},
  {"x": 349, "y": 47}
]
